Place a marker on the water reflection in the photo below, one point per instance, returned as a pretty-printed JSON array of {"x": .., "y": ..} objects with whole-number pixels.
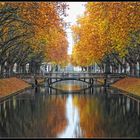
[
  {"x": 98, "y": 113},
  {"x": 72, "y": 115},
  {"x": 108, "y": 116},
  {"x": 32, "y": 116},
  {"x": 70, "y": 85}
]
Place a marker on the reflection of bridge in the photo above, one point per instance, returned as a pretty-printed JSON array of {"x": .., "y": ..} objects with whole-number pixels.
[{"x": 89, "y": 78}]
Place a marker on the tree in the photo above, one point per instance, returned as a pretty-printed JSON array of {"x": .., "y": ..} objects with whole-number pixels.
[
  {"x": 29, "y": 29},
  {"x": 104, "y": 28}
]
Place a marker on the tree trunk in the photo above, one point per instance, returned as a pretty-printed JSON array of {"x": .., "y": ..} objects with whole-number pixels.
[
  {"x": 131, "y": 68},
  {"x": 11, "y": 69},
  {"x": 112, "y": 69},
  {"x": 107, "y": 66},
  {"x": 31, "y": 67},
  {"x": 17, "y": 68},
  {"x": 7, "y": 71},
  {"x": 139, "y": 69},
  {"x": 135, "y": 69},
  {"x": 121, "y": 68},
  {"x": 23, "y": 69},
  {"x": 125, "y": 67},
  {"x": 2, "y": 70}
]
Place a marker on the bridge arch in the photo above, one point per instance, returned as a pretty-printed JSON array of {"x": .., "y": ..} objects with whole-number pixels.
[
  {"x": 77, "y": 90},
  {"x": 69, "y": 79}
]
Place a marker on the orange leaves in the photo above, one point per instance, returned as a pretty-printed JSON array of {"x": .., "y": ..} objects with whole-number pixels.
[
  {"x": 123, "y": 23},
  {"x": 56, "y": 49},
  {"x": 11, "y": 85},
  {"x": 49, "y": 36},
  {"x": 104, "y": 27},
  {"x": 131, "y": 85},
  {"x": 91, "y": 112},
  {"x": 40, "y": 14}
]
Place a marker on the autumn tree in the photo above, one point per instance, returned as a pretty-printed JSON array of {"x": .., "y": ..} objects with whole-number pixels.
[
  {"x": 28, "y": 29},
  {"x": 104, "y": 29}
]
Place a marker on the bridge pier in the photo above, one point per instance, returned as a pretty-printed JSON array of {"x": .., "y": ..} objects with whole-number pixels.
[
  {"x": 91, "y": 81},
  {"x": 50, "y": 90},
  {"x": 106, "y": 81},
  {"x": 84, "y": 79},
  {"x": 49, "y": 81}
]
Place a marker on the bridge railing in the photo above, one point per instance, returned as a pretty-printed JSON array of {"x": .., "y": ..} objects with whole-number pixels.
[{"x": 83, "y": 74}]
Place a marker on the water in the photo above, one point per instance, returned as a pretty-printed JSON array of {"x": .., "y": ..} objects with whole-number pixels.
[
  {"x": 94, "y": 112},
  {"x": 70, "y": 85}
]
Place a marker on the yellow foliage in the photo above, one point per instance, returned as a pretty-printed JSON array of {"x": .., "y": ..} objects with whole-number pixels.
[
  {"x": 49, "y": 36},
  {"x": 104, "y": 27}
]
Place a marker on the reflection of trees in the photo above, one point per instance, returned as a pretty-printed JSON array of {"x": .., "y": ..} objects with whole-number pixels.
[
  {"x": 41, "y": 116},
  {"x": 108, "y": 115}
]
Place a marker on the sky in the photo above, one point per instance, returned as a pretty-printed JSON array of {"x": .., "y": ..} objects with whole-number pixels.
[{"x": 75, "y": 9}]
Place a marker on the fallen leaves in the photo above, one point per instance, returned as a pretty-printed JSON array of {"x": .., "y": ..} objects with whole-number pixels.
[
  {"x": 11, "y": 85},
  {"x": 129, "y": 84}
]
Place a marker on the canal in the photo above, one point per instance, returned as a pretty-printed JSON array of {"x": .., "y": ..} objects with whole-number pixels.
[{"x": 68, "y": 112}]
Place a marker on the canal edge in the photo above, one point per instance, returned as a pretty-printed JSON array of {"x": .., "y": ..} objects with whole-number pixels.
[
  {"x": 14, "y": 93},
  {"x": 126, "y": 93}
]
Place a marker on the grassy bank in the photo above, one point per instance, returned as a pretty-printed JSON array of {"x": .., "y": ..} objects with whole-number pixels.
[
  {"x": 12, "y": 85},
  {"x": 129, "y": 84}
]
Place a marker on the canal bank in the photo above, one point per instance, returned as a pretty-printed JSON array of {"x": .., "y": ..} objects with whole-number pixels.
[
  {"x": 12, "y": 86},
  {"x": 129, "y": 86}
]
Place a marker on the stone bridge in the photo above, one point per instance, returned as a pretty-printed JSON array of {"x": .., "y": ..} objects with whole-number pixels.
[{"x": 89, "y": 78}]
